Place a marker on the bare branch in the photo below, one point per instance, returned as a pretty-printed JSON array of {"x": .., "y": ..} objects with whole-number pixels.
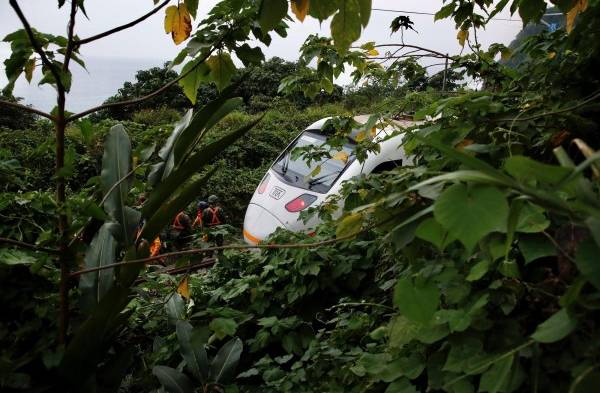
[
  {"x": 197, "y": 251},
  {"x": 35, "y": 44},
  {"x": 143, "y": 98},
  {"x": 440, "y": 54},
  {"x": 122, "y": 27},
  {"x": 27, "y": 245},
  {"x": 26, "y": 108},
  {"x": 71, "y": 32}
]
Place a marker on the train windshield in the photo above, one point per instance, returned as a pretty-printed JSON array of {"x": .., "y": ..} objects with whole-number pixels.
[{"x": 297, "y": 172}]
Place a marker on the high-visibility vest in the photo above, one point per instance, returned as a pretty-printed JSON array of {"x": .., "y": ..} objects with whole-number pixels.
[
  {"x": 198, "y": 220},
  {"x": 177, "y": 224},
  {"x": 214, "y": 216}
]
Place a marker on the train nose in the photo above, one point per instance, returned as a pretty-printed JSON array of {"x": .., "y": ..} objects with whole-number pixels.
[{"x": 259, "y": 223}]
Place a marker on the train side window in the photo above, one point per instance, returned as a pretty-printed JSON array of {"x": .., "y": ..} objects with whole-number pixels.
[{"x": 387, "y": 166}]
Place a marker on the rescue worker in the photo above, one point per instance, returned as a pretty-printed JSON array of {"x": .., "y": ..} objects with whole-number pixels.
[
  {"x": 213, "y": 216},
  {"x": 181, "y": 230},
  {"x": 156, "y": 244},
  {"x": 198, "y": 221}
]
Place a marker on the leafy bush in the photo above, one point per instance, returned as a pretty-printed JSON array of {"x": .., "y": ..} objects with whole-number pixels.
[{"x": 155, "y": 117}]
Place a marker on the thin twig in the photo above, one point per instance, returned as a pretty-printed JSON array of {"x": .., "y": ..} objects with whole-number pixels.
[
  {"x": 122, "y": 27},
  {"x": 26, "y": 108},
  {"x": 556, "y": 112},
  {"x": 112, "y": 188},
  {"x": 70, "y": 34},
  {"x": 443, "y": 55},
  {"x": 28, "y": 246},
  {"x": 35, "y": 44}
]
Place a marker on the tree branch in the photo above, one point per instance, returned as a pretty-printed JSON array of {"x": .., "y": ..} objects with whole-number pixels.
[
  {"x": 26, "y": 108},
  {"x": 440, "y": 54},
  {"x": 34, "y": 43},
  {"x": 27, "y": 245},
  {"x": 71, "y": 32},
  {"x": 122, "y": 27},
  {"x": 197, "y": 251},
  {"x": 143, "y": 98}
]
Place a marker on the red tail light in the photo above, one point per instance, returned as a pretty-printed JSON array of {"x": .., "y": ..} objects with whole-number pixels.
[
  {"x": 300, "y": 203},
  {"x": 263, "y": 184}
]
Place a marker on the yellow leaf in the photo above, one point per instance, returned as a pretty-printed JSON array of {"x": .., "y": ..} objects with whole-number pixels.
[
  {"x": 315, "y": 171},
  {"x": 551, "y": 55},
  {"x": 178, "y": 22},
  {"x": 360, "y": 136},
  {"x": 373, "y": 132},
  {"x": 350, "y": 225},
  {"x": 184, "y": 288},
  {"x": 300, "y": 8},
  {"x": 29, "y": 67},
  {"x": 373, "y": 52},
  {"x": 341, "y": 155},
  {"x": 462, "y": 37},
  {"x": 580, "y": 6}
]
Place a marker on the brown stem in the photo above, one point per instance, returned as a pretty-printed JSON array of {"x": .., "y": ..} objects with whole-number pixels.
[
  {"x": 35, "y": 45},
  {"x": 26, "y": 108},
  {"x": 70, "y": 33},
  {"x": 122, "y": 27},
  {"x": 147, "y": 96},
  {"x": 27, "y": 245}
]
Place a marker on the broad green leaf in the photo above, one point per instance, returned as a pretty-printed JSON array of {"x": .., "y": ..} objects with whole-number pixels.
[
  {"x": 249, "y": 55},
  {"x": 532, "y": 219},
  {"x": 194, "y": 355},
  {"x": 175, "y": 308},
  {"x": 101, "y": 252},
  {"x": 346, "y": 25},
  {"x": 172, "y": 380},
  {"x": 166, "y": 189},
  {"x": 497, "y": 377},
  {"x": 587, "y": 259},
  {"x": 223, "y": 327},
  {"x": 15, "y": 257},
  {"x": 194, "y": 78},
  {"x": 222, "y": 69},
  {"x": 478, "y": 270},
  {"x": 555, "y": 328},
  {"x": 323, "y": 9},
  {"x": 163, "y": 169},
  {"x": 402, "y": 385},
  {"x": 445, "y": 11},
  {"x": 470, "y": 213},
  {"x": 531, "y": 10},
  {"x": 116, "y": 168},
  {"x": 87, "y": 131},
  {"x": 526, "y": 170},
  {"x": 201, "y": 123},
  {"x": 271, "y": 13},
  {"x": 431, "y": 231},
  {"x": 416, "y": 301},
  {"x": 535, "y": 246},
  {"x": 222, "y": 368},
  {"x": 178, "y": 22},
  {"x": 351, "y": 224},
  {"x": 365, "y": 11},
  {"x": 192, "y": 7}
]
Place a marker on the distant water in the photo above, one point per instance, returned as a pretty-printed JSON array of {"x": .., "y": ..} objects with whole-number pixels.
[{"x": 104, "y": 76}]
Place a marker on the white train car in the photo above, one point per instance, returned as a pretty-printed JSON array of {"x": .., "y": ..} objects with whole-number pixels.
[{"x": 287, "y": 189}]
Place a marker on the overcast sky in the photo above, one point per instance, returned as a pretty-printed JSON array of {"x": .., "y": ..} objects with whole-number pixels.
[{"x": 147, "y": 43}]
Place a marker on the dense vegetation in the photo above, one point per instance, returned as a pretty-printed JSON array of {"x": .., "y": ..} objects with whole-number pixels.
[{"x": 474, "y": 268}]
